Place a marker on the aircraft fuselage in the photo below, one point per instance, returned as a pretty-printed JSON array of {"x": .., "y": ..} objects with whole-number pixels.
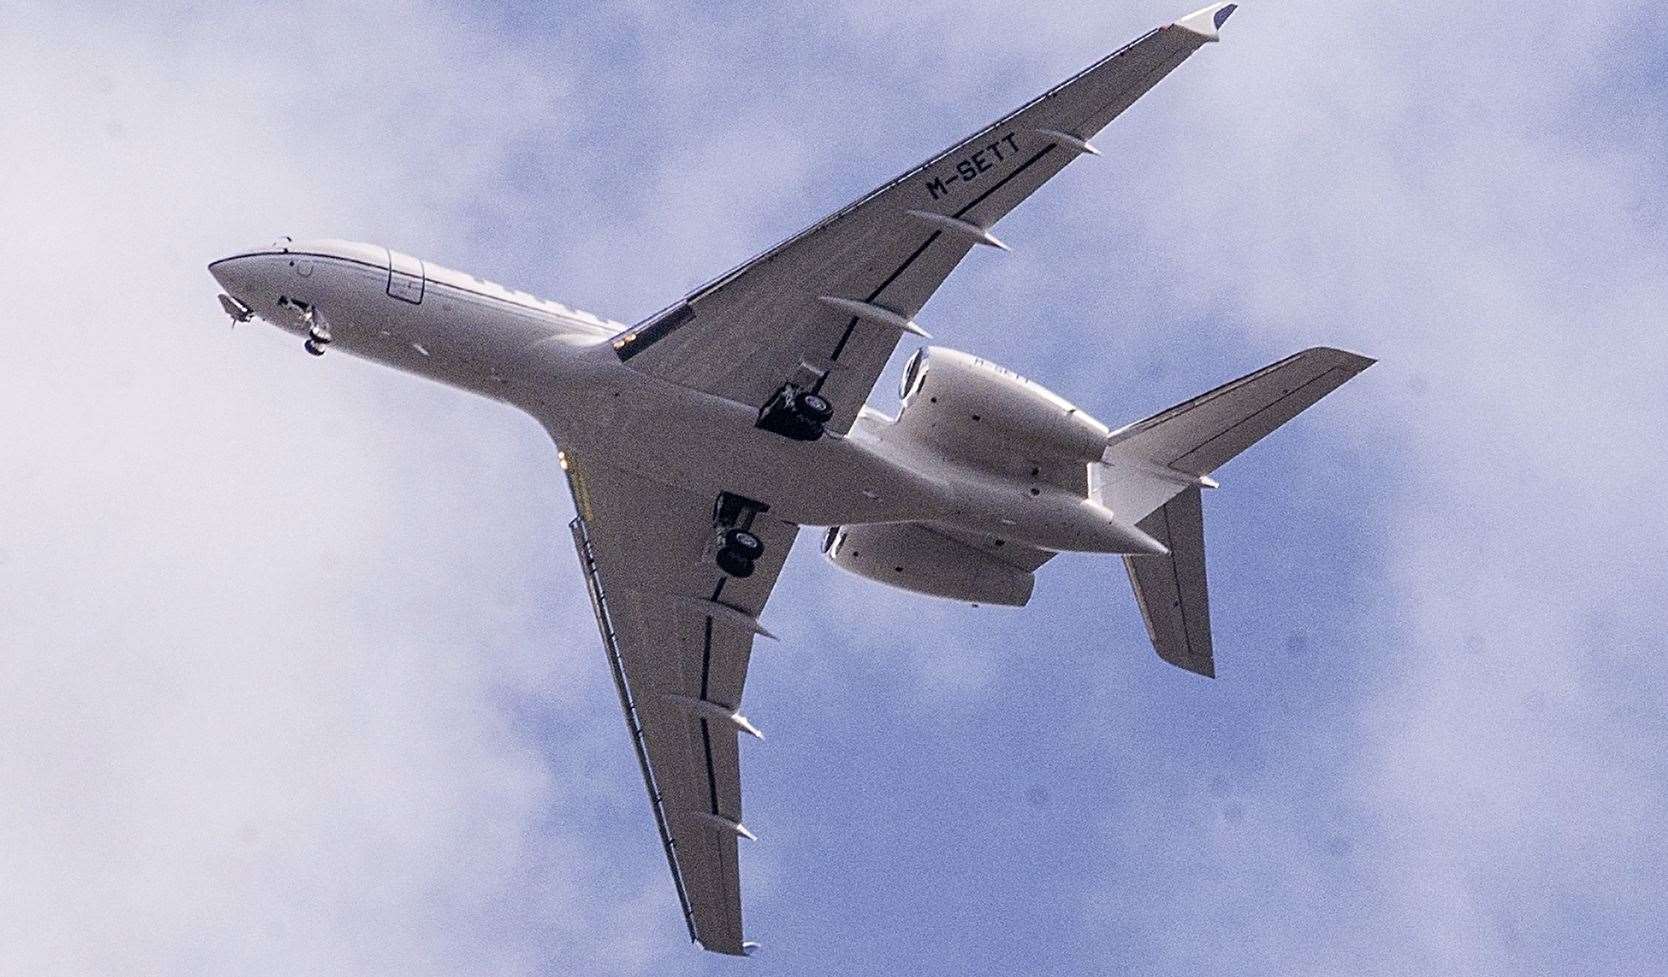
[{"x": 556, "y": 364}]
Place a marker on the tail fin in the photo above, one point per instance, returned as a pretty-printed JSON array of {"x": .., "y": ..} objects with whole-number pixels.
[
  {"x": 1171, "y": 589},
  {"x": 1152, "y": 472}
]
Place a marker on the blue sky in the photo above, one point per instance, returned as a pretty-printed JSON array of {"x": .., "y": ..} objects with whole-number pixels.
[{"x": 299, "y": 676}]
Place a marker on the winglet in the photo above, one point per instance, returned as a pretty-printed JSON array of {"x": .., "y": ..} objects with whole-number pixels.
[{"x": 1208, "y": 21}]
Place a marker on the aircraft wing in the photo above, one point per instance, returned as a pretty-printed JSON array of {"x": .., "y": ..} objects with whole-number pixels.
[
  {"x": 678, "y": 634},
  {"x": 827, "y": 307}
]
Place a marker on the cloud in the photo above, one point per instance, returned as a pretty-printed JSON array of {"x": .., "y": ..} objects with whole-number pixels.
[
  {"x": 1443, "y": 200},
  {"x": 273, "y": 698}
]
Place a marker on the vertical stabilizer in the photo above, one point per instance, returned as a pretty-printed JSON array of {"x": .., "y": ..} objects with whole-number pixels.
[{"x": 1171, "y": 589}]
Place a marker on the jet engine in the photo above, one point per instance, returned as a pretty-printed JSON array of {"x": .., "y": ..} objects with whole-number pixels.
[
  {"x": 965, "y": 405},
  {"x": 915, "y": 557}
]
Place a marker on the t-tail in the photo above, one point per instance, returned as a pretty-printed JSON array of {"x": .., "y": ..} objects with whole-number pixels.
[{"x": 1152, "y": 472}]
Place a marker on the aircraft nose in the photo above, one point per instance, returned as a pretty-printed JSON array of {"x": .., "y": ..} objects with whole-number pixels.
[
  {"x": 233, "y": 272},
  {"x": 243, "y": 285}
]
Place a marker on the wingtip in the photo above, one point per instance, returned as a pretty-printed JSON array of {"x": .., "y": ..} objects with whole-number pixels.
[
  {"x": 1206, "y": 23},
  {"x": 1344, "y": 357},
  {"x": 1203, "y": 666},
  {"x": 1356, "y": 361},
  {"x": 745, "y": 949}
]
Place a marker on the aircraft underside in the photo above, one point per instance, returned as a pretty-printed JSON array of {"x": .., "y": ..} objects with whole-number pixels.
[{"x": 697, "y": 442}]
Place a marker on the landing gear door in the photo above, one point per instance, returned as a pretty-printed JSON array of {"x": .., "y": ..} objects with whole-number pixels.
[{"x": 405, "y": 277}]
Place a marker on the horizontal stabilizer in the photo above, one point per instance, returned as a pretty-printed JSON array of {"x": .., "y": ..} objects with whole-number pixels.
[
  {"x": 1171, "y": 589},
  {"x": 1202, "y": 434},
  {"x": 1145, "y": 464}
]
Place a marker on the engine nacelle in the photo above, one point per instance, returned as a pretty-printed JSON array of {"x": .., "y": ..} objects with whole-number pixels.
[
  {"x": 913, "y": 557},
  {"x": 963, "y": 403}
]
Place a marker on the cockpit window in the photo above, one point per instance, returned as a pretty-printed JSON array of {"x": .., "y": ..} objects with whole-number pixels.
[{"x": 829, "y": 537}]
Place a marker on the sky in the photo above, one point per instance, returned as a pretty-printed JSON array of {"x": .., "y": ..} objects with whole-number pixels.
[{"x": 298, "y": 675}]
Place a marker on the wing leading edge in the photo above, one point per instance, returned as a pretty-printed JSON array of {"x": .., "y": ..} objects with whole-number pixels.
[{"x": 827, "y": 307}]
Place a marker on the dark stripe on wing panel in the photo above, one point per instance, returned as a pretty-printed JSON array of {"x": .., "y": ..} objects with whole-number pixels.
[
  {"x": 851, "y": 326},
  {"x": 845, "y": 337},
  {"x": 874, "y": 295},
  {"x": 712, "y": 779},
  {"x": 706, "y": 658},
  {"x": 999, "y": 184},
  {"x": 706, "y": 735},
  {"x": 903, "y": 267}
]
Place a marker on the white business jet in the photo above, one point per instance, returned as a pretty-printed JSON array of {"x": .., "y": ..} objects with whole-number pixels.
[{"x": 698, "y": 441}]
